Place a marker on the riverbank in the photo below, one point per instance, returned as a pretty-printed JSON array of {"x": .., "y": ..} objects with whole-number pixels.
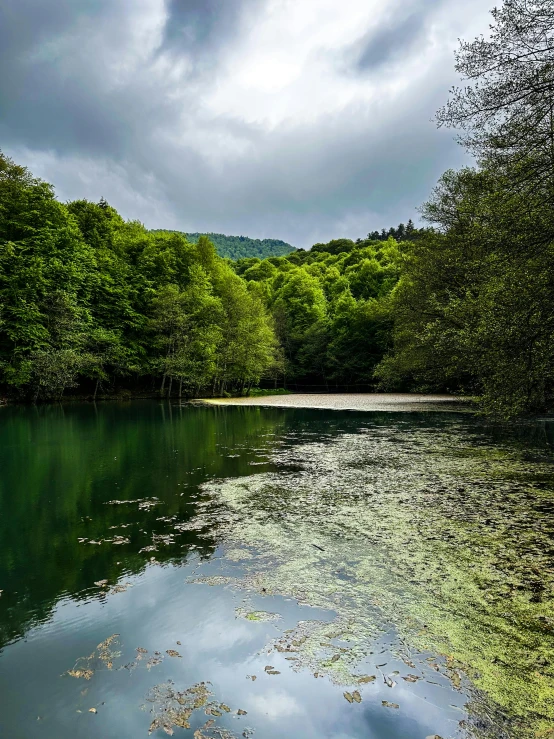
[{"x": 354, "y": 401}]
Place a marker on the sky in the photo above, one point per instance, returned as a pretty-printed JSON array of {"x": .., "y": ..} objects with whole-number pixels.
[{"x": 301, "y": 120}]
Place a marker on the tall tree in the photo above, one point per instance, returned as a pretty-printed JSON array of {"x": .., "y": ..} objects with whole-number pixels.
[{"x": 506, "y": 109}]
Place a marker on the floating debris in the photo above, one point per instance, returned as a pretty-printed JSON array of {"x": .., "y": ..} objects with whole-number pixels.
[
  {"x": 172, "y": 653},
  {"x": 364, "y": 679},
  {"x": 146, "y": 505},
  {"x": 389, "y": 682},
  {"x": 153, "y": 661},
  {"x": 101, "y": 583},
  {"x": 119, "y": 540},
  {"x": 165, "y": 539},
  {"x": 143, "y": 503},
  {"x": 213, "y": 580},
  {"x": 120, "y": 588},
  {"x": 256, "y": 615},
  {"x": 389, "y": 705},
  {"x": 172, "y": 708},
  {"x": 86, "y": 674},
  {"x": 85, "y": 667}
]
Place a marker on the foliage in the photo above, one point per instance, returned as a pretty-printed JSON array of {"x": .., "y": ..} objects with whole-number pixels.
[
  {"x": 402, "y": 232},
  {"x": 240, "y": 247},
  {"x": 331, "y": 307},
  {"x": 506, "y": 111},
  {"x": 474, "y": 310},
  {"x": 87, "y": 299},
  {"x": 465, "y": 304}
]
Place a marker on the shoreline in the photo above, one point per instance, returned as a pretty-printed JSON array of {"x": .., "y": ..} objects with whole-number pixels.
[{"x": 396, "y": 402}]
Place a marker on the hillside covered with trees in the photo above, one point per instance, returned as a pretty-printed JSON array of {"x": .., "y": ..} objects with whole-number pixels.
[
  {"x": 332, "y": 308},
  {"x": 464, "y": 305},
  {"x": 239, "y": 247}
]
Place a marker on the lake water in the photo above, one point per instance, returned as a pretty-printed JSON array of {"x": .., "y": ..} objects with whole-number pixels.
[{"x": 270, "y": 573}]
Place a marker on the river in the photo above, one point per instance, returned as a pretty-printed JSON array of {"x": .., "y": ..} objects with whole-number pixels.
[{"x": 219, "y": 571}]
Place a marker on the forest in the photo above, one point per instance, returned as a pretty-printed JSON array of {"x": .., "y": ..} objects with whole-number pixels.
[
  {"x": 91, "y": 303},
  {"x": 238, "y": 247}
]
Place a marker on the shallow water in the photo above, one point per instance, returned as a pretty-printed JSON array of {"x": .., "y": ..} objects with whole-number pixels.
[{"x": 380, "y": 575}]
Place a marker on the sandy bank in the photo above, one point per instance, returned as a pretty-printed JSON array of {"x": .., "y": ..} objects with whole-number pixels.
[{"x": 354, "y": 401}]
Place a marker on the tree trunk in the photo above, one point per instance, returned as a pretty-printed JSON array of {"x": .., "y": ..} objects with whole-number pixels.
[
  {"x": 163, "y": 385},
  {"x": 181, "y": 388},
  {"x": 170, "y": 386},
  {"x": 95, "y": 390}
]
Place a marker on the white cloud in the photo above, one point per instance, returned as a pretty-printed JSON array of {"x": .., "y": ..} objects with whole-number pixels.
[{"x": 276, "y": 705}]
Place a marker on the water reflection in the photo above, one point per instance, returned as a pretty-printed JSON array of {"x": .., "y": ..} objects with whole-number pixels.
[{"x": 371, "y": 521}]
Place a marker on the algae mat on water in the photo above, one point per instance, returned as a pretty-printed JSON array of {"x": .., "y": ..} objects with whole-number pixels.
[
  {"x": 436, "y": 538},
  {"x": 418, "y": 547}
]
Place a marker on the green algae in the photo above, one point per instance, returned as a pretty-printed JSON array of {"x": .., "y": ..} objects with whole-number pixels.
[
  {"x": 437, "y": 536},
  {"x": 256, "y": 615}
]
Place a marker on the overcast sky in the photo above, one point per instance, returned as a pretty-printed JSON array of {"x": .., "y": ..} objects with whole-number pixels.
[{"x": 303, "y": 120}]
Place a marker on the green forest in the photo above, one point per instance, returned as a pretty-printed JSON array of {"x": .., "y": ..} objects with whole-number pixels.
[
  {"x": 238, "y": 247},
  {"x": 91, "y": 303}
]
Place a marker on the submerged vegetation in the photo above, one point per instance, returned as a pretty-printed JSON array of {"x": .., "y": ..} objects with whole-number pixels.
[
  {"x": 400, "y": 564},
  {"x": 432, "y": 544},
  {"x": 91, "y": 303}
]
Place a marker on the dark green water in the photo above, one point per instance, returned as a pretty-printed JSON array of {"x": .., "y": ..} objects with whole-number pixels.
[{"x": 313, "y": 550}]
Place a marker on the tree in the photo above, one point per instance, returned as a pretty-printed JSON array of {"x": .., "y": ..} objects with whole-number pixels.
[
  {"x": 506, "y": 111},
  {"x": 45, "y": 285},
  {"x": 87, "y": 298},
  {"x": 474, "y": 308}
]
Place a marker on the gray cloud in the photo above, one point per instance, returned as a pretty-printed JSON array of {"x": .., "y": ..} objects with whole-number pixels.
[
  {"x": 388, "y": 43},
  {"x": 223, "y": 116},
  {"x": 203, "y": 25},
  {"x": 398, "y": 36}
]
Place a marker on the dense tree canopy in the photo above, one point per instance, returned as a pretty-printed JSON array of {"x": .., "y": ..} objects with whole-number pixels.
[
  {"x": 240, "y": 247},
  {"x": 89, "y": 300},
  {"x": 331, "y": 307},
  {"x": 474, "y": 309}
]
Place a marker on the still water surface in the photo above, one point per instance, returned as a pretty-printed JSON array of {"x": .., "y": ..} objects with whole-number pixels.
[{"x": 273, "y": 573}]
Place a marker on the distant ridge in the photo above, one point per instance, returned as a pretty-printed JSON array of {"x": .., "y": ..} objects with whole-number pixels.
[{"x": 239, "y": 247}]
